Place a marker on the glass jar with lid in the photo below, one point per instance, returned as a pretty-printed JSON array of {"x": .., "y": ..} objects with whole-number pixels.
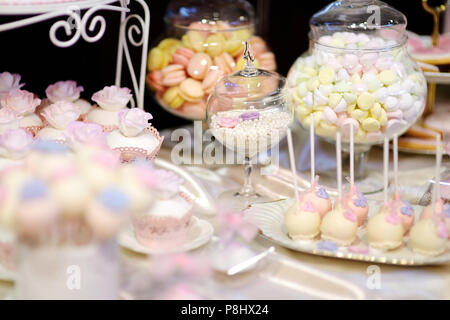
[
  {"x": 358, "y": 73},
  {"x": 204, "y": 41}
]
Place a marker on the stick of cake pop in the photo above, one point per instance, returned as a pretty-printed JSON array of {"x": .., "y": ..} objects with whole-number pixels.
[
  {"x": 352, "y": 157},
  {"x": 339, "y": 164},
  {"x": 312, "y": 148},
  {"x": 395, "y": 151},
  {"x": 437, "y": 179},
  {"x": 385, "y": 169},
  {"x": 292, "y": 160}
]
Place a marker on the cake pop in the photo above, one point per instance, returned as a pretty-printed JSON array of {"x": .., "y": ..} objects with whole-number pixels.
[
  {"x": 429, "y": 236},
  {"x": 385, "y": 229},
  {"x": 354, "y": 199},
  {"x": 302, "y": 219},
  {"x": 316, "y": 194},
  {"x": 341, "y": 224}
]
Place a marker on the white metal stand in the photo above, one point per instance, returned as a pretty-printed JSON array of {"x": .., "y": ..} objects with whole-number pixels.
[{"x": 77, "y": 24}]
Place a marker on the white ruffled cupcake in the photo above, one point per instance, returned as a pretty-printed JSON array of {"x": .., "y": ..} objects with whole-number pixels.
[
  {"x": 110, "y": 101},
  {"x": 136, "y": 138},
  {"x": 58, "y": 115}
]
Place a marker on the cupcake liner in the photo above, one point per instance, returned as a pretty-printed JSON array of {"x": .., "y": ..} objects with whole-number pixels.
[
  {"x": 163, "y": 232},
  {"x": 129, "y": 154},
  {"x": 34, "y": 130}
]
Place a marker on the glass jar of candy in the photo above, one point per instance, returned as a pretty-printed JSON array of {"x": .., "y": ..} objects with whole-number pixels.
[
  {"x": 358, "y": 73},
  {"x": 205, "y": 41}
]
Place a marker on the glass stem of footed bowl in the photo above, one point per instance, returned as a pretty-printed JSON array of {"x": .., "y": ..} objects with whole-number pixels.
[{"x": 247, "y": 189}]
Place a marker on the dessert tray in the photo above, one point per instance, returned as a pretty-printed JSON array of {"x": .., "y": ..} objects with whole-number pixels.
[
  {"x": 269, "y": 217},
  {"x": 199, "y": 233}
]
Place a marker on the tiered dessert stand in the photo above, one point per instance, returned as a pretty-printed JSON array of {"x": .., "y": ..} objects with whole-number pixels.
[{"x": 80, "y": 19}]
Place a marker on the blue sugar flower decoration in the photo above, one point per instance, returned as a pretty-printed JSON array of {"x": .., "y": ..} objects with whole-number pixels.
[
  {"x": 322, "y": 193},
  {"x": 33, "y": 189},
  {"x": 327, "y": 246},
  {"x": 49, "y": 146},
  {"x": 447, "y": 210},
  {"x": 407, "y": 209},
  {"x": 361, "y": 201},
  {"x": 114, "y": 199}
]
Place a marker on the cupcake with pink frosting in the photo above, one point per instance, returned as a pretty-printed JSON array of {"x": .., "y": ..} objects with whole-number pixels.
[
  {"x": 165, "y": 225},
  {"x": 68, "y": 91},
  {"x": 23, "y": 104},
  {"x": 8, "y": 82},
  {"x": 135, "y": 138},
  {"x": 14, "y": 146},
  {"x": 58, "y": 116},
  {"x": 79, "y": 134},
  {"x": 110, "y": 100}
]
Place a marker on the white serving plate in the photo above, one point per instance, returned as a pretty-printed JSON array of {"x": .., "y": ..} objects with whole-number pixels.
[
  {"x": 269, "y": 217},
  {"x": 198, "y": 234}
]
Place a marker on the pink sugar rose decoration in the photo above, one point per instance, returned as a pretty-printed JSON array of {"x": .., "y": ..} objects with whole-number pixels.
[
  {"x": 64, "y": 91},
  {"x": 442, "y": 230},
  {"x": 81, "y": 133},
  {"x": 168, "y": 183},
  {"x": 60, "y": 114},
  {"x": 350, "y": 215},
  {"x": 21, "y": 102},
  {"x": 234, "y": 223},
  {"x": 308, "y": 206},
  {"x": 9, "y": 81},
  {"x": 393, "y": 218},
  {"x": 133, "y": 121},
  {"x": 107, "y": 158},
  {"x": 112, "y": 98},
  {"x": 15, "y": 143},
  {"x": 8, "y": 120},
  {"x": 228, "y": 122}
]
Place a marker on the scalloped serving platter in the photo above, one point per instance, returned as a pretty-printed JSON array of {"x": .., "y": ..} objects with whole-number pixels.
[{"x": 269, "y": 217}]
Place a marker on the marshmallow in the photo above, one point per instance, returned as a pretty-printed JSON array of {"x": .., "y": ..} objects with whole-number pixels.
[
  {"x": 313, "y": 84},
  {"x": 366, "y": 101},
  {"x": 302, "y": 111},
  {"x": 398, "y": 114},
  {"x": 391, "y": 103},
  {"x": 326, "y": 75},
  {"x": 319, "y": 98},
  {"x": 334, "y": 99},
  {"x": 359, "y": 87},
  {"x": 308, "y": 99},
  {"x": 329, "y": 115},
  {"x": 388, "y": 77},
  {"x": 393, "y": 126},
  {"x": 341, "y": 106},
  {"x": 326, "y": 89},
  {"x": 406, "y": 101},
  {"x": 302, "y": 90},
  {"x": 370, "y": 124},
  {"x": 368, "y": 59},
  {"x": 359, "y": 114},
  {"x": 342, "y": 86},
  {"x": 355, "y": 78},
  {"x": 326, "y": 129},
  {"x": 383, "y": 63},
  {"x": 350, "y": 61},
  {"x": 375, "y": 111},
  {"x": 375, "y": 136},
  {"x": 342, "y": 75},
  {"x": 350, "y": 97},
  {"x": 345, "y": 126},
  {"x": 395, "y": 89}
]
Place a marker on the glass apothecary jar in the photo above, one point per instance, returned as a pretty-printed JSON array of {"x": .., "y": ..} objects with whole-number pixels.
[
  {"x": 204, "y": 41},
  {"x": 358, "y": 73}
]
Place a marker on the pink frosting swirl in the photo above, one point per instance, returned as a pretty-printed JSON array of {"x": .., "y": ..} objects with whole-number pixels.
[
  {"x": 133, "y": 121},
  {"x": 60, "y": 114},
  {"x": 64, "y": 91},
  {"x": 81, "y": 133},
  {"x": 9, "y": 81},
  {"x": 168, "y": 183},
  {"x": 112, "y": 98},
  {"x": 15, "y": 143},
  {"x": 20, "y": 101}
]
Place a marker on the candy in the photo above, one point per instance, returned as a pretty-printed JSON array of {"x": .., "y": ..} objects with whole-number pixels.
[
  {"x": 326, "y": 75},
  {"x": 350, "y": 98},
  {"x": 345, "y": 125},
  {"x": 391, "y": 103},
  {"x": 406, "y": 101},
  {"x": 199, "y": 66},
  {"x": 172, "y": 97},
  {"x": 215, "y": 44},
  {"x": 375, "y": 111},
  {"x": 308, "y": 99},
  {"x": 193, "y": 40},
  {"x": 381, "y": 94},
  {"x": 387, "y": 77},
  {"x": 157, "y": 59},
  {"x": 341, "y": 106},
  {"x": 329, "y": 115},
  {"x": 342, "y": 75},
  {"x": 313, "y": 84},
  {"x": 350, "y": 61},
  {"x": 319, "y": 98},
  {"x": 334, "y": 99},
  {"x": 370, "y": 124},
  {"x": 368, "y": 59},
  {"x": 366, "y": 101},
  {"x": 302, "y": 89},
  {"x": 359, "y": 114},
  {"x": 326, "y": 129},
  {"x": 326, "y": 89}
]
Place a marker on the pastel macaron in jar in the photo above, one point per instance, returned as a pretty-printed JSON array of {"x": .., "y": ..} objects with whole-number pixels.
[
  {"x": 201, "y": 46},
  {"x": 360, "y": 75}
]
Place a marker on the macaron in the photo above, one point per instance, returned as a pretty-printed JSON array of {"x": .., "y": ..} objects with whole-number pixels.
[
  {"x": 195, "y": 110},
  {"x": 182, "y": 56},
  {"x": 199, "y": 65},
  {"x": 211, "y": 79},
  {"x": 215, "y": 44},
  {"x": 225, "y": 62},
  {"x": 173, "y": 97},
  {"x": 154, "y": 80},
  {"x": 173, "y": 75},
  {"x": 157, "y": 59},
  {"x": 191, "y": 90}
]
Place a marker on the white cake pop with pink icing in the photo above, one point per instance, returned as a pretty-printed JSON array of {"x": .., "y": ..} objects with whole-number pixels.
[
  {"x": 440, "y": 208},
  {"x": 302, "y": 221},
  {"x": 59, "y": 116},
  {"x": 110, "y": 100},
  {"x": 318, "y": 196}
]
